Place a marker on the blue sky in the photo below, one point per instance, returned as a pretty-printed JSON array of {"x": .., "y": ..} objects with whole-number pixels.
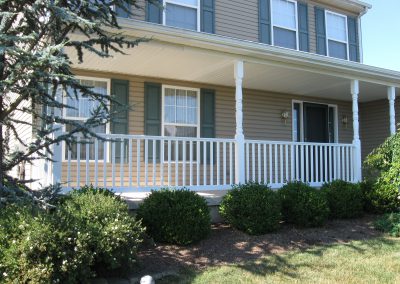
[{"x": 381, "y": 34}]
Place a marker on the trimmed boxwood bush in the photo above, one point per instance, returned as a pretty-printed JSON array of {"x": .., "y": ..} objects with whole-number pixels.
[
  {"x": 380, "y": 196},
  {"x": 345, "y": 199},
  {"x": 175, "y": 216},
  {"x": 89, "y": 233},
  {"x": 252, "y": 208},
  {"x": 389, "y": 223},
  {"x": 303, "y": 205}
]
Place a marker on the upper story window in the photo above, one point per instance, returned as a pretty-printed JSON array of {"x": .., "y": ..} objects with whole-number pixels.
[
  {"x": 284, "y": 22},
  {"x": 336, "y": 35},
  {"x": 182, "y": 14}
]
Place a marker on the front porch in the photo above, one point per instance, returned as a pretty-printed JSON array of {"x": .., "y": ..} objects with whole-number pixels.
[{"x": 256, "y": 90}]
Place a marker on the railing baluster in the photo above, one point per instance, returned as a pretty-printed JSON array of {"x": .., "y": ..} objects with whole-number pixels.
[
  {"x": 105, "y": 160},
  {"x": 297, "y": 162},
  {"x": 191, "y": 163},
  {"x": 176, "y": 162},
  {"x": 231, "y": 163},
  {"x": 312, "y": 163},
  {"x": 224, "y": 161},
  {"x": 352, "y": 163},
  {"x": 138, "y": 166},
  {"x": 307, "y": 177},
  {"x": 218, "y": 163},
  {"x": 281, "y": 163},
  {"x": 347, "y": 165},
  {"x": 169, "y": 162},
  {"x": 162, "y": 148},
  {"x": 205, "y": 163},
  {"x": 259, "y": 162},
  {"x": 113, "y": 163},
  {"x": 247, "y": 162},
  {"x": 198, "y": 158},
  {"x": 286, "y": 163},
  {"x": 96, "y": 162},
  {"x": 130, "y": 162},
  {"x": 292, "y": 163},
  {"x": 154, "y": 161},
  {"x": 121, "y": 162},
  {"x": 276, "y": 164},
  {"x": 270, "y": 162},
  {"x": 68, "y": 166},
  {"x": 343, "y": 163},
  {"x": 302, "y": 166},
  {"x": 87, "y": 164},
  {"x": 146, "y": 162},
  {"x": 183, "y": 163},
  {"x": 211, "y": 163},
  {"x": 78, "y": 165},
  {"x": 253, "y": 162},
  {"x": 329, "y": 150},
  {"x": 265, "y": 164}
]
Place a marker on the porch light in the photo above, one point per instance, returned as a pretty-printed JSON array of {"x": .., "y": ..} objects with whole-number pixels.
[
  {"x": 285, "y": 115},
  {"x": 345, "y": 120}
]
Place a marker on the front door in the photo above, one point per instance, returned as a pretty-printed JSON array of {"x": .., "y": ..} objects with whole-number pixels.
[{"x": 316, "y": 123}]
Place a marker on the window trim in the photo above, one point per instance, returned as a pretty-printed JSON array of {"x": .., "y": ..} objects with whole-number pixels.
[
  {"x": 335, "y": 40},
  {"x": 108, "y": 125},
  {"x": 164, "y": 12},
  {"x": 296, "y": 15},
  {"x": 335, "y": 119},
  {"x": 163, "y": 123}
]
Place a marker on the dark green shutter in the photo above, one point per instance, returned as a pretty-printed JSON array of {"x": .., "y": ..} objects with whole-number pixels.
[
  {"x": 152, "y": 114},
  {"x": 121, "y": 12},
  {"x": 264, "y": 21},
  {"x": 353, "y": 39},
  {"x": 119, "y": 112},
  {"x": 320, "y": 30},
  {"x": 207, "y": 119},
  {"x": 302, "y": 10},
  {"x": 208, "y": 16},
  {"x": 154, "y": 12}
]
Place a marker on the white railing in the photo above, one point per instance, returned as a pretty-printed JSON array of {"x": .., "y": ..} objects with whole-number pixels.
[
  {"x": 142, "y": 163},
  {"x": 276, "y": 163},
  {"x": 133, "y": 162}
]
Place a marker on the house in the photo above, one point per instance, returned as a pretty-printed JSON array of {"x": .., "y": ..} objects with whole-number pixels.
[{"x": 233, "y": 91}]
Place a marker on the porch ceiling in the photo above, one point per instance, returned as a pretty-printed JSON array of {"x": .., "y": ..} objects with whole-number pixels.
[{"x": 187, "y": 63}]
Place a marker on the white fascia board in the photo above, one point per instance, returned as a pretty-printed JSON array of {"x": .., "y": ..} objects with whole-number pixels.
[{"x": 260, "y": 53}]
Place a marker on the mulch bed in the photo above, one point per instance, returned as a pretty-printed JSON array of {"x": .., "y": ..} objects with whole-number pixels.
[{"x": 226, "y": 245}]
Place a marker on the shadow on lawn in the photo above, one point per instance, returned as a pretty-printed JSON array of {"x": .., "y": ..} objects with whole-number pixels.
[{"x": 226, "y": 246}]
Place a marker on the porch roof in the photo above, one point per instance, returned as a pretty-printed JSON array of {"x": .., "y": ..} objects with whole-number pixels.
[{"x": 186, "y": 55}]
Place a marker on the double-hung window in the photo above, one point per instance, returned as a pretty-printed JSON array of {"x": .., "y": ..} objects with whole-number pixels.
[
  {"x": 182, "y": 14},
  {"x": 336, "y": 35},
  {"x": 81, "y": 108},
  {"x": 284, "y": 23},
  {"x": 181, "y": 116}
]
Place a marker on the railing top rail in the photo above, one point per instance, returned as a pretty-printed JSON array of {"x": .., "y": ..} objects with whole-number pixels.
[
  {"x": 267, "y": 142},
  {"x": 164, "y": 138}
]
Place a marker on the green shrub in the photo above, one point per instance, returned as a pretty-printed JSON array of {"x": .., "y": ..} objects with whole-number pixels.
[
  {"x": 382, "y": 168},
  {"x": 113, "y": 233},
  {"x": 345, "y": 199},
  {"x": 380, "y": 197},
  {"x": 86, "y": 235},
  {"x": 175, "y": 216},
  {"x": 389, "y": 223},
  {"x": 252, "y": 208},
  {"x": 303, "y": 205}
]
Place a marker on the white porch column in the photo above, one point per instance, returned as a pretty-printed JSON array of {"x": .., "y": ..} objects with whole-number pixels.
[
  {"x": 356, "y": 132},
  {"x": 239, "y": 137},
  {"x": 57, "y": 157},
  {"x": 392, "y": 114}
]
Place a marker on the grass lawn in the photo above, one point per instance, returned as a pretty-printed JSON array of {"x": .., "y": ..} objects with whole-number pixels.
[{"x": 370, "y": 261}]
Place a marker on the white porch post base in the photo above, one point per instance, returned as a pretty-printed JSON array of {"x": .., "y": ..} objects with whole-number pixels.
[
  {"x": 356, "y": 133},
  {"x": 392, "y": 112},
  {"x": 239, "y": 137}
]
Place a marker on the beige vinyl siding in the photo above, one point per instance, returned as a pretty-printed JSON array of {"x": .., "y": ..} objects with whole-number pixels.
[
  {"x": 375, "y": 125},
  {"x": 236, "y": 18}
]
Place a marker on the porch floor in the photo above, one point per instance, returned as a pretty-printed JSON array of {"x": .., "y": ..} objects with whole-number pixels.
[{"x": 213, "y": 197}]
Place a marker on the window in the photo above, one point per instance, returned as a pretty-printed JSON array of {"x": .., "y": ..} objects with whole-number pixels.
[
  {"x": 181, "y": 117},
  {"x": 182, "y": 14},
  {"x": 284, "y": 23},
  {"x": 336, "y": 35},
  {"x": 82, "y": 108}
]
